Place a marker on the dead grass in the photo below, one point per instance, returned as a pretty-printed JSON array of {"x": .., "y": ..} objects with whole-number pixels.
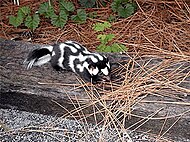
[
  {"x": 157, "y": 26},
  {"x": 142, "y": 77},
  {"x": 157, "y": 35}
]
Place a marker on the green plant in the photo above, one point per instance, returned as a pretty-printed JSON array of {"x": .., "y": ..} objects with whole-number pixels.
[
  {"x": 106, "y": 38},
  {"x": 93, "y": 3},
  {"x": 80, "y": 17},
  {"x": 92, "y": 15},
  {"x": 32, "y": 22},
  {"x": 124, "y": 8},
  {"x": 46, "y": 9},
  {"x": 59, "y": 20},
  {"x": 111, "y": 18},
  {"x": 101, "y": 26},
  {"x": 104, "y": 47},
  {"x": 87, "y": 3},
  {"x": 66, "y": 8},
  {"x": 23, "y": 15}
]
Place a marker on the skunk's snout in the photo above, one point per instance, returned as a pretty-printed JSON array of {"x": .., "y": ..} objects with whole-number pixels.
[{"x": 107, "y": 78}]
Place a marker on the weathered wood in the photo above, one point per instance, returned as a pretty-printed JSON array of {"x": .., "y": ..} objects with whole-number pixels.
[
  {"x": 41, "y": 89},
  {"x": 35, "y": 89}
]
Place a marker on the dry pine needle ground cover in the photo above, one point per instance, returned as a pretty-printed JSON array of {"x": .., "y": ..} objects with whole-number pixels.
[
  {"x": 157, "y": 26},
  {"x": 159, "y": 29}
]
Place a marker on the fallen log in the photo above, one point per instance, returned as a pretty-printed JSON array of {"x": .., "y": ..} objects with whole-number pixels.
[{"x": 43, "y": 90}]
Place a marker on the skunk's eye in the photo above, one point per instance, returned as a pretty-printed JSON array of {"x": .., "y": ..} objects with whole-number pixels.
[{"x": 100, "y": 73}]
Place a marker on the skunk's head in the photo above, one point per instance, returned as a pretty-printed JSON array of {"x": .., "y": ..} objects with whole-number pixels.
[{"x": 99, "y": 70}]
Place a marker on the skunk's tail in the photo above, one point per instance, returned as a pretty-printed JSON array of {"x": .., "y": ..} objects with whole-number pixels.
[{"x": 39, "y": 56}]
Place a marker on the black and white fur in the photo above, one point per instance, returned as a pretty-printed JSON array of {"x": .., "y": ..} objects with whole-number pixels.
[{"x": 71, "y": 56}]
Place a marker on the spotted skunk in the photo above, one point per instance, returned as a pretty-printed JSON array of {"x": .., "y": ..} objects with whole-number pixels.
[{"x": 71, "y": 56}]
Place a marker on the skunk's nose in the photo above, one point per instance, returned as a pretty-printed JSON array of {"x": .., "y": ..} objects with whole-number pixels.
[{"x": 106, "y": 78}]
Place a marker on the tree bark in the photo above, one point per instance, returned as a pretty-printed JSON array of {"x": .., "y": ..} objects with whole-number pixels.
[{"x": 43, "y": 90}]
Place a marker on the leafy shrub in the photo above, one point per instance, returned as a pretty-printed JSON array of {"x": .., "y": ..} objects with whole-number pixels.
[
  {"x": 19, "y": 19},
  {"x": 112, "y": 18},
  {"x": 87, "y": 3},
  {"x": 46, "y": 9},
  {"x": 101, "y": 26},
  {"x": 80, "y": 17},
  {"x": 92, "y": 14},
  {"x": 106, "y": 38},
  {"x": 93, "y": 3},
  {"x": 59, "y": 20},
  {"x": 23, "y": 16},
  {"x": 66, "y": 6},
  {"x": 124, "y": 8},
  {"x": 32, "y": 22}
]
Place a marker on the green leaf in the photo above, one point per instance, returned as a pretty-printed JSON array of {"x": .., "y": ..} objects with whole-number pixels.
[
  {"x": 126, "y": 12},
  {"x": 116, "y": 4},
  {"x": 124, "y": 8},
  {"x": 101, "y": 26},
  {"x": 66, "y": 6},
  {"x": 123, "y": 47},
  {"x": 80, "y": 17},
  {"x": 61, "y": 20},
  {"x": 107, "y": 49},
  {"x": 103, "y": 48},
  {"x": 87, "y": 3},
  {"x": 92, "y": 15},
  {"x": 23, "y": 11},
  {"x": 15, "y": 21},
  {"x": 18, "y": 20},
  {"x": 102, "y": 38},
  {"x": 116, "y": 47},
  {"x": 46, "y": 9},
  {"x": 32, "y": 22},
  {"x": 105, "y": 38},
  {"x": 111, "y": 18}
]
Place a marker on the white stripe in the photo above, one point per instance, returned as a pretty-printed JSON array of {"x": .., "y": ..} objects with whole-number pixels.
[
  {"x": 73, "y": 49},
  {"x": 105, "y": 71},
  {"x": 80, "y": 67},
  {"x": 43, "y": 60},
  {"x": 30, "y": 64},
  {"x": 93, "y": 59},
  {"x": 83, "y": 58},
  {"x": 60, "y": 60},
  {"x": 71, "y": 62},
  {"x": 95, "y": 71},
  {"x": 53, "y": 53},
  {"x": 50, "y": 48},
  {"x": 108, "y": 65},
  {"x": 99, "y": 56},
  {"x": 76, "y": 44}
]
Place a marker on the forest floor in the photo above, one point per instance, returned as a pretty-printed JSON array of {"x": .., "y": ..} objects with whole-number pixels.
[
  {"x": 157, "y": 30},
  {"x": 156, "y": 27}
]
